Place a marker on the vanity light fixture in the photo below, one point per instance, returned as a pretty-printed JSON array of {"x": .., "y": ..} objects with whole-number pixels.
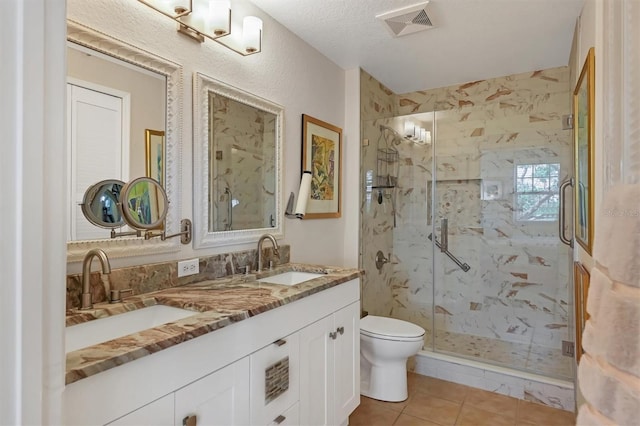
[
  {"x": 200, "y": 19},
  {"x": 416, "y": 133}
]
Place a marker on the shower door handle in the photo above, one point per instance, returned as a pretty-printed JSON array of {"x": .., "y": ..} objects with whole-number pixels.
[
  {"x": 229, "y": 208},
  {"x": 444, "y": 235},
  {"x": 561, "y": 222}
]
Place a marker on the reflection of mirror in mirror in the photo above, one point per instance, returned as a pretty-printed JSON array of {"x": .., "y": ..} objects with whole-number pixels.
[
  {"x": 144, "y": 204},
  {"x": 110, "y": 104},
  {"x": 100, "y": 204},
  {"x": 241, "y": 165}
]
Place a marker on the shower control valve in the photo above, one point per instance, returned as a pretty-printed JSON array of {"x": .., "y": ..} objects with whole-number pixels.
[{"x": 381, "y": 260}]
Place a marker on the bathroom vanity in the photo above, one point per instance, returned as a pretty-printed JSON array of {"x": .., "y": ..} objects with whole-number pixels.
[{"x": 254, "y": 352}]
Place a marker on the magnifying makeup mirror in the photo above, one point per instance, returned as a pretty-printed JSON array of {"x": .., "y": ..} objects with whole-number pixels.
[
  {"x": 100, "y": 204},
  {"x": 144, "y": 204}
]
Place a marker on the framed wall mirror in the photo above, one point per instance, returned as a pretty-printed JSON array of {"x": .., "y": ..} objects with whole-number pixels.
[
  {"x": 584, "y": 151},
  {"x": 115, "y": 92},
  {"x": 237, "y": 152}
]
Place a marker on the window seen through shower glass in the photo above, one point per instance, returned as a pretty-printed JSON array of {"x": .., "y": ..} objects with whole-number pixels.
[{"x": 536, "y": 192}]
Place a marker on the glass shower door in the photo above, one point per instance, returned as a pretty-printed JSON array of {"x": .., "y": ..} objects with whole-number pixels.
[
  {"x": 456, "y": 212},
  {"x": 501, "y": 274}
]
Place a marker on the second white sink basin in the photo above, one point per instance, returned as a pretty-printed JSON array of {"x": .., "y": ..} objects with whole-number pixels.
[
  {"x": 290, "y": 278},
  {"x": 101, "y": 330}
]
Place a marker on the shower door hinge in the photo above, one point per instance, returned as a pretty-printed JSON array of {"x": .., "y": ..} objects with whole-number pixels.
[
  {"x": 568, "y": 348},
  {"x": 567, "y": 122}
]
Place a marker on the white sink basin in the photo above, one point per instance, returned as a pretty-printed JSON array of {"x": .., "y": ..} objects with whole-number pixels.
[
  {"x": 290, "y": 278},
  {"x": 101, "y": 330}
]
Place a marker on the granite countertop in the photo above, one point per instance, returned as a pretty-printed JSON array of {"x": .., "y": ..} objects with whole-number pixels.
[{"x": 216, "y": 304}]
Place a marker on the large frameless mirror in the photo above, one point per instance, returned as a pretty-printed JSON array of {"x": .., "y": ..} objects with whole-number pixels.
[
  {"x": 116, "y": 93},
  {"x": 237, "y": 151}
]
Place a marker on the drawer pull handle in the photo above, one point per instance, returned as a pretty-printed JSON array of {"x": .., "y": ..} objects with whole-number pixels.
[
  {"x": 280, "y": 342},
  {"x": 340, "y": 330},
  {"x": 279, "y": 419},
  {"x": 333, "y": 335},
  {"x": 190, "y": 421}
]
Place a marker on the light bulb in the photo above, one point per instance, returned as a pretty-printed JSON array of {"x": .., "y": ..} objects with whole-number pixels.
[
  {"x": 423, "y": 135},
  {"x": 409, "y": 129},
  {"x": 219, "y": 17},
  {"x": 171, "y": 8},
  {"x": 252, "y": 34}
]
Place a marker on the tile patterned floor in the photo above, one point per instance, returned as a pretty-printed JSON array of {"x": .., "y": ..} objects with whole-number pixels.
[{"x": 434, "y": 402}]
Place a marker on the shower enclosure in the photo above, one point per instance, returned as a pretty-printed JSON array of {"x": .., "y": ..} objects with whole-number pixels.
[{"x": 467, "y": 226}]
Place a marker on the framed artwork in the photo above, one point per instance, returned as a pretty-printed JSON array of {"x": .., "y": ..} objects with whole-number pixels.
[
  {"x": 322, "y": 155},
  {"x": 154, "y": 154},
  {"x": 583, "y": 133},
  {"x": 581, "y": 291}
]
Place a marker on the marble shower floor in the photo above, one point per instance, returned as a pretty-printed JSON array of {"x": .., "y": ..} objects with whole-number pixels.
[
  {"x": 529, "y": 357},
  {"x": 434, "y": 402}
]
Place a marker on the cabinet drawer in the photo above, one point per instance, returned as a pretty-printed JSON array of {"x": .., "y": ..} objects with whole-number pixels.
[
  {"x": 291, "y": 417},
  {"x": 274, "y": 379}
]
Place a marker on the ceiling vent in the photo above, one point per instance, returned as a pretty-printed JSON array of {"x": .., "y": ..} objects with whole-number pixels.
[{"x": 407, "y": 20}]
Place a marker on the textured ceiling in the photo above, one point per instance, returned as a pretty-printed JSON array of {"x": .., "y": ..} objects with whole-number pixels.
[{"x": 471, "y": 39}]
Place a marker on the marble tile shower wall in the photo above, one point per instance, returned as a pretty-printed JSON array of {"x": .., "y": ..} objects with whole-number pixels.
[
  {"x": 242, "y": 150},
  {"x": 158, "y": 276},
  {"x": 377, "y": 102},
  {"x": 517, "y": 288}
]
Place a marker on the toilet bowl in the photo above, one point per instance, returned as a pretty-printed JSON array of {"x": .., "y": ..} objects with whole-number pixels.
[{"x": 385, "y": 346}]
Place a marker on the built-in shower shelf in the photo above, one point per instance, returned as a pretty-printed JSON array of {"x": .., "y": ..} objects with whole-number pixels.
[{"x": 383, "y": 187}]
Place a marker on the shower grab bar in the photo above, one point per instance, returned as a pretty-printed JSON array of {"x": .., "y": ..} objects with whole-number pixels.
[
  {"x": 444, "y": 235},
  {"x": 561, "y": 219},
  {"x": 464, "y": 266},
  {"x": 229, "y": 207}
]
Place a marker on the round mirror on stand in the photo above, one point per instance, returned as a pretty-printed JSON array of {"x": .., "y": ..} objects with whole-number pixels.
[
  {"x": 144, "y": 204},
  {"x": 100, "y": 204}
]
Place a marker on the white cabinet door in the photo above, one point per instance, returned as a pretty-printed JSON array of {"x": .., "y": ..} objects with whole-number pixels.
[
  {"x": 347, "y": 362},
  {"x": 291, "y": 417},
  {"x": 330, "y": 368},
  {"x": 157, "y": 413},
  {"x": 271, "y": 366},
  {"x": 316, "y": 367},
  {"x": 221, "y": 398}
]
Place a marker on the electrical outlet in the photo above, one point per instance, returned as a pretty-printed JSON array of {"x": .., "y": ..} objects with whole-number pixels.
[{"x": 188, "y": 267}]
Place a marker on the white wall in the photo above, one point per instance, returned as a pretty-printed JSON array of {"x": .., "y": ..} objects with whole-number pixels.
[
  {"x": 351, "y": 169},
  {"x": 32, "y": 243},
  {"x": 288, "y": 72}
]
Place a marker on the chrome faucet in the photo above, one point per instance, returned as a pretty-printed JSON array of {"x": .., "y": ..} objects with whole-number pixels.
[
  {"x": 275, "y": 248},
  {"x": 86, "y": 274}
]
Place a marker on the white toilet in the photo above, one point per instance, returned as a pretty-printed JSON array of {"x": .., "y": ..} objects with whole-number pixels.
[{"x": 385, "y": 346}]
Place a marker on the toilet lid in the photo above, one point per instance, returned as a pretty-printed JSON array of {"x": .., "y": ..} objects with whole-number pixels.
[{"x": 389, "y": 327}]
